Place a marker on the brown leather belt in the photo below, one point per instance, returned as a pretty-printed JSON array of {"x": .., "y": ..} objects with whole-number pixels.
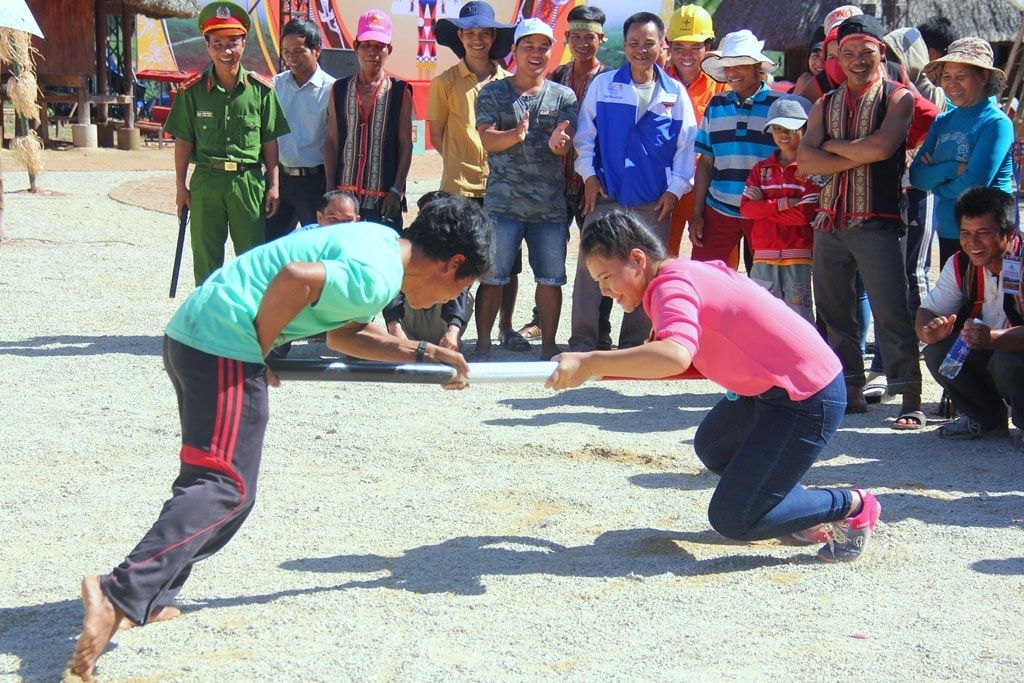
[
  {"x": 233, "y": 166},
  {"x": 300, "y": 171}
]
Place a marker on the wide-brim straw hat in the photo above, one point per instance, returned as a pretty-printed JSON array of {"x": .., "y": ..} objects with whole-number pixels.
[
  {"x": 737, "y": 48},
  {"x": 474, "y": 15},
  {"x": 974, "y": 51}
]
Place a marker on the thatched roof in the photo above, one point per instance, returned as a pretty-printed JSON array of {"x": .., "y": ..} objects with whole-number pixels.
[
  {"x": 165, "y": 9},
  {"x": 788, "y": 24}
]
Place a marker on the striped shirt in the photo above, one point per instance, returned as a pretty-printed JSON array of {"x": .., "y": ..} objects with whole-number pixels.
[{"x": 732, "y": 132}]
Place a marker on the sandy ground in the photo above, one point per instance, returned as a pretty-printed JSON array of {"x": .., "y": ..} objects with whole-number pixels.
[{"x": 403, "y": 533}]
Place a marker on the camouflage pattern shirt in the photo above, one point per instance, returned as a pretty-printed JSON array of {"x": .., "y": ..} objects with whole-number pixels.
[{"x": 526, "y": 180}]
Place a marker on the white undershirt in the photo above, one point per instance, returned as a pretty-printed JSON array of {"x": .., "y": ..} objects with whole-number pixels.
[{"x": 946, "y": 297}]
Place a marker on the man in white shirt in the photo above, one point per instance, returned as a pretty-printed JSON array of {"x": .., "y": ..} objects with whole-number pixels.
[
  {"x": 976, "y": 283},
  {"x": 304, "y": 90}
]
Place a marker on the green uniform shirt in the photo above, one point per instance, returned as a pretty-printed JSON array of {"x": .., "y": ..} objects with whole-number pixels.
[
  {"x": 226, "y": 125},
  {"x": 363, "y": 264}
]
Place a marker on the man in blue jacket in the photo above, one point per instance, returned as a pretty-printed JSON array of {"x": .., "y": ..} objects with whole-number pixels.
[{"x": 634, "y": 146}]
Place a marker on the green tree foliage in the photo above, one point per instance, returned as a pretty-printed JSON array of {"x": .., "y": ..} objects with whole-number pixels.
[{"x": 610, "y": 52}]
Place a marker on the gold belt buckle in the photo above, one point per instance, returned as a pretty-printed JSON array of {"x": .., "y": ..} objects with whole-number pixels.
[{"x": 230, "y": 166}]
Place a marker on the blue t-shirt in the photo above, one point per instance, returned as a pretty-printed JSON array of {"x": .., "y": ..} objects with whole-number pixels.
[
  {"x": 981, "y": 137},
  {"x": 364, "y": 272}
]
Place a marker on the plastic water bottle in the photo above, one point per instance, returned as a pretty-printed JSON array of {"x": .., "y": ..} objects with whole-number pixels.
[{"x": 954, "y": 360}]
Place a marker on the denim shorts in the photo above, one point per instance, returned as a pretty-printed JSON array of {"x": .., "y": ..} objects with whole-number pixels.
[{"x": 545, "y": 243}]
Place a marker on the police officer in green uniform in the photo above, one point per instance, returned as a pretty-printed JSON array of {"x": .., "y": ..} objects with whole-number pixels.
[{"x": 226, "y": 120}]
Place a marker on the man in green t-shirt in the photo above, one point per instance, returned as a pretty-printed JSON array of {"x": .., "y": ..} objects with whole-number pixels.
[
  {"x": 226, "y": 120},
  {"x": 333, "y": 279}
]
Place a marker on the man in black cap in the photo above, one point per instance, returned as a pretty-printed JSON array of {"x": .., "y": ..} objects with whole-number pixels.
[
  {"x": 856, "y": 134},
  {"x": 480, "y": 42}
]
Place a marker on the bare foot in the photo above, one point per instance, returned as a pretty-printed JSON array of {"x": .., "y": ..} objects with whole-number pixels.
[
  {"x": 161, "y": 614},
  {"x": 98, "y": 627}
]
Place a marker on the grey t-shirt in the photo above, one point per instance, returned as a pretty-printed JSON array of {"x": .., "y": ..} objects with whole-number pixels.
[
  {"x": 644, "y": 96},
  {"x": 526, "y": 181}
]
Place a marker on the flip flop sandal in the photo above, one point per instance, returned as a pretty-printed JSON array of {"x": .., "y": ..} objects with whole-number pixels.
[
  {"x": 916, "y": 419},
  {"x": 513, "y": 341}
]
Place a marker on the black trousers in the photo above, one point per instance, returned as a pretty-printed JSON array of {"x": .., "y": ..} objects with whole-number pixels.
[
  {"x": 300, "y": 197},
  {"x": 223, "y": 408},
  {"x": 988, "y": 381}
]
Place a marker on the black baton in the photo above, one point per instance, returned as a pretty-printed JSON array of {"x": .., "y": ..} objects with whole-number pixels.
[{"x": 179, "y": 249}]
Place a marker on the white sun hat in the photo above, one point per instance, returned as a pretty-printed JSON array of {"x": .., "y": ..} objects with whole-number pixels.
[{"x": 737, "y": 48}]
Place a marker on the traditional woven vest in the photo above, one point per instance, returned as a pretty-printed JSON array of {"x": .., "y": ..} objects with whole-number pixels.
[
  {"x": 870, "y": 191},
  {"x": 368, "y": 161}
]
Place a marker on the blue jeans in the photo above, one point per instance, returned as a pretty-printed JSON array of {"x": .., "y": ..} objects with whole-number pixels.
[
  {"x": 762, "y": 446},
  {"x": 545, "y": 242}
]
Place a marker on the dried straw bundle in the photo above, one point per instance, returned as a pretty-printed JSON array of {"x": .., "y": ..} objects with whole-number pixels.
[
  {"x": 28, "y": 149},
  {"x": 16, "y": 48},
  {"x": 22, "y": 91},
  {"x": 163, "y": 9}
]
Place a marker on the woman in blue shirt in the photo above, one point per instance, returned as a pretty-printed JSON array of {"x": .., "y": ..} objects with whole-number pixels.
[{"x": 969, "y": 145}]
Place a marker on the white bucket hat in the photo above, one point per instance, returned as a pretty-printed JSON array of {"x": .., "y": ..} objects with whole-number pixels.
[{"x": 737, "y": 48}]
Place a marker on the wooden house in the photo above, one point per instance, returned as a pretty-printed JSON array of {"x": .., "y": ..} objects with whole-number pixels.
[
  {"x": 787, "y": 25},
  {"x": 72, "y": 62}
]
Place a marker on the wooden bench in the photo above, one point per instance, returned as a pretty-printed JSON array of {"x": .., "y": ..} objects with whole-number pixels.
[
  {"x": 81, "y": 98},
  {"x": 156, "y": 126}
]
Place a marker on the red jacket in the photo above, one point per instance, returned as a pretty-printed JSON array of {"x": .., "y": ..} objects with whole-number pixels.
[{"x": 780, "y": 232}]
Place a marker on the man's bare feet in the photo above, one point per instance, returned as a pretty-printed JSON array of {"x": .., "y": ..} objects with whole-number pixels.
[
  {"x": 98, "y": 627},
  {"x": 161, "y": 614}
]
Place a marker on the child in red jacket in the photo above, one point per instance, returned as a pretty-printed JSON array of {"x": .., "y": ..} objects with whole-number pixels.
[{"x": 782, "y": 202}]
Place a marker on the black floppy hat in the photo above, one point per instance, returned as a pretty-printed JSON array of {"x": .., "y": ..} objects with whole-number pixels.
[{"x": 474, "y": 14}]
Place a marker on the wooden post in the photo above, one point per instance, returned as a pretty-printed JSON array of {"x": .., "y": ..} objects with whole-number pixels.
[
  {"x": 21, "y": 129},
  {"x": 127, "y": 29},
  {"x": 1015, "y": 70},
  {"x": 101, "y": 59}
]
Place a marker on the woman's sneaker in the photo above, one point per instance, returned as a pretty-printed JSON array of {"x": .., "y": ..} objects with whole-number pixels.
[
  {"x": 847, "y": 539},
  {"x": 816, "y": 535}
]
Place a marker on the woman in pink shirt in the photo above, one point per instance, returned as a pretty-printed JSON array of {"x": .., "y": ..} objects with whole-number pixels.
[{"x": 785, "y": 389}]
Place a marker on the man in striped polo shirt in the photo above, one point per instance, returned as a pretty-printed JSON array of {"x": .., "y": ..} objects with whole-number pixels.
[{"x": 731, "y": 139}]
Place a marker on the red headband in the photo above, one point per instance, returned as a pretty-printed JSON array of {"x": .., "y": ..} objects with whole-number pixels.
[
  {"x": 229, "y": 25},
  {"x": 861, "y": 36}
]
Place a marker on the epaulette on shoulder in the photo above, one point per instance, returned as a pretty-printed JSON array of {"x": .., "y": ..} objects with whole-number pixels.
[
  {"x": 263, "y": 80},
  {"x": 192, "y": 80}
]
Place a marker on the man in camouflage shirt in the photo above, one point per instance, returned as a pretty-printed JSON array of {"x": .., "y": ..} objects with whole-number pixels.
[{"x": 526, "y": 124}]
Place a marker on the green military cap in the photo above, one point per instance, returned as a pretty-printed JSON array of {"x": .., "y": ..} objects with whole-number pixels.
[{"x": 224, "y": 18}]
